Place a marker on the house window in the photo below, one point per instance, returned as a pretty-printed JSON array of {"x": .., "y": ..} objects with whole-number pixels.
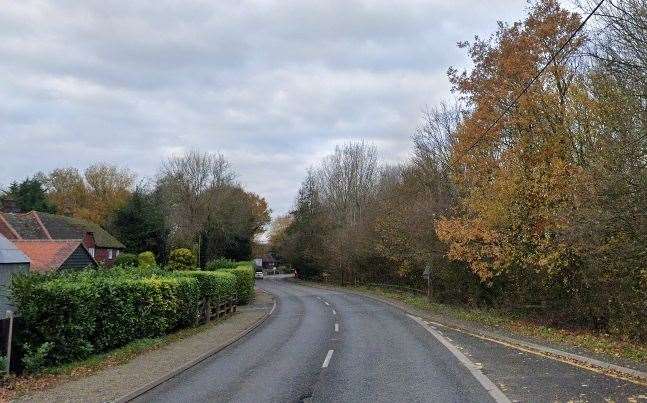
[
  {"x": 91, "y": 250},
  {"x": 117, "y": 253},
  {"x": 109, "y": 253}
]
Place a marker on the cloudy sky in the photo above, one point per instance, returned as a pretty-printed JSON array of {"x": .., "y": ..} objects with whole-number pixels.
[{"x": 273, "y": 85}]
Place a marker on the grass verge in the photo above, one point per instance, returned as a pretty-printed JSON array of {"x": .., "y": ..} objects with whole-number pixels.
[
  {"x": 15, "y": 386},
  {"x": 598, "y": 343}
]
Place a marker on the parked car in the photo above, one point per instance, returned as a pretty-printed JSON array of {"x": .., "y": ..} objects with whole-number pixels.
[{"x": 259, "y": 274}]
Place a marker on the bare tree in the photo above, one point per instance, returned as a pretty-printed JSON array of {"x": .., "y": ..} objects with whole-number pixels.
[
  {"x": 348, "y": 179},
  {"x": 189, "y": 185}
]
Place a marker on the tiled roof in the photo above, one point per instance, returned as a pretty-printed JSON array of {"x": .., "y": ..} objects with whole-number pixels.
[
  {"x": 9, "y": 253},
  {"x": 27, "y": 225},
  {"x": 62, "y": 227},
  {"x": 49, "y": 254}
]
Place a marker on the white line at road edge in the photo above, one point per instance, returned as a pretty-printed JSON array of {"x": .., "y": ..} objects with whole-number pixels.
[
  {"x": 492, "y": 389},
  {"x": 336, "y": 327},
  {"x": 327, "y": 359}
]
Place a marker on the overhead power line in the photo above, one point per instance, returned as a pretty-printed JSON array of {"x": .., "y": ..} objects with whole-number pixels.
[{"x": 531, "y": 82}]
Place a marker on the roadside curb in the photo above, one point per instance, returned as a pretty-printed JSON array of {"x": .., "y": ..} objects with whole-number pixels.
[
  {"x": 172, "y": 374},
  {"x": 592, "y": 364}
]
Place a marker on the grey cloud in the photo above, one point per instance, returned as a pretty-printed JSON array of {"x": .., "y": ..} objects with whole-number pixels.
[{"x": 274, "y": 85}]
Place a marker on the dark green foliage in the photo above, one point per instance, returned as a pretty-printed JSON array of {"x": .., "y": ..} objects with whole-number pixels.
[
  {"x": 30, "y": 195},
  {"x": 69, "y": 316},
  {"x": 181, "y": 259},
  {"x": 244, "y": 283},
  {"x": 127, "y": 260},
  {"x": 140, "y": 224},
  {"x": 221, "y": 263}
]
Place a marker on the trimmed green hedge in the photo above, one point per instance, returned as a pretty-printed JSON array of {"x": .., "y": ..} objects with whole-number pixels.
[
  {"x": 81, "y": 314},
  {"x": 71, "y": 315},
  {"x": 126, "y": 260},
  {"x": 214, "y": 286},
  {"x": 244, "y": 283},
  {"x": 221, "y": 263}
]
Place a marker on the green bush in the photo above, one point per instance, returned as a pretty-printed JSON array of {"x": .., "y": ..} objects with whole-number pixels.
[
  {"x": 244, "y": 283},
  {"x": 221, "y": 263},
  {"x": 126, "y": 260},
  {"x": 67, "y": 317},
  {"x": 182, "y": 259},
  {"x": 146, "y": 259}
]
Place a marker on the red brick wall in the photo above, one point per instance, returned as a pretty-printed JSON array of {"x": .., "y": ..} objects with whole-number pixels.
[{"x": 101, "y": 256}]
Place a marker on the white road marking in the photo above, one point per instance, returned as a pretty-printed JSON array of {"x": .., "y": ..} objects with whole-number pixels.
[
  {"x": 326, "y": 303},
  {"x": 334, "y": 312},
  {"x": 492, "y": 389},
  {"x": 336, "y": 327},
  {"x": 327, "y": 359}
]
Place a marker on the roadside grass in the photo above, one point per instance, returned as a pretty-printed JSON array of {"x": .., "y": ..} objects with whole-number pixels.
[
  {"x": 15, "y": 386},
  {"x": 515, "y": 322}
]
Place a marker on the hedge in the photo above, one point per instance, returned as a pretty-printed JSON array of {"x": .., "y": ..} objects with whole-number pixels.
[
  {"x": 78, "y": 315},
  {"x": 221, "y": 263},
  {"x": 214, "y": 286},
  {"x": 244, "y": 283}
]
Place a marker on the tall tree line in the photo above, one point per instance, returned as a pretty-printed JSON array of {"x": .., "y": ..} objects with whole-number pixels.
[
  {"x": 193, "y": 201},
  {"x": 542, "y": 208}
]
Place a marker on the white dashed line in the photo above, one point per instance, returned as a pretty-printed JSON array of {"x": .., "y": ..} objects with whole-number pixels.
[
  {"x": 327, "y": 360},
  {"x": 336, "y": 327},
  {"x": 326, "y": 303},
  {"x": 334, "y": 312}
]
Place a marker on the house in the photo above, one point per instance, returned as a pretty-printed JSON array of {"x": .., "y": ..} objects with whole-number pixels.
[
  {"x": 34, "y": 225},
  {"x": 55, "y": 254},
  {"x": 12, "y": 261},
  {"x": 269, "y": 262}
]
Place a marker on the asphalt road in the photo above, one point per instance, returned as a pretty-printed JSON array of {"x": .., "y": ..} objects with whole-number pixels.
[{"x": 330, "y": 346}]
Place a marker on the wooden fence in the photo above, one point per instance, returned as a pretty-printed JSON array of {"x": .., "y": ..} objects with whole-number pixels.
[{"x": 213, "y": 311}]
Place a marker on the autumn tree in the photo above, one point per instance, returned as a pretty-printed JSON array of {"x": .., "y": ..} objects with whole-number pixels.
[
  {"x": 66, "y": 188},
  {"x": 93, "y": 196}
]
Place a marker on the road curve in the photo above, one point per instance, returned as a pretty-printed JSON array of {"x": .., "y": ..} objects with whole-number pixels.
[{"x": 328, "y": 346}]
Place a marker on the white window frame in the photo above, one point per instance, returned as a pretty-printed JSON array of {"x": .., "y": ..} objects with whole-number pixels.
[
  {"x": 110, "y": 254},
  {"x": 91, "y": 251}
]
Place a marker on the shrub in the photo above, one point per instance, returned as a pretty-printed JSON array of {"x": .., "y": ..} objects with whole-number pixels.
[
  {"x": 126, "y": 260},
  {"x": 35, "y": 360},
  {"x": 3, "y": 363},
  {"x": 244, "y": 283},
  {"x": 146, "y": 259},
  {"x": 221, "y": 263},
  {"x": 182, "y": 259}
]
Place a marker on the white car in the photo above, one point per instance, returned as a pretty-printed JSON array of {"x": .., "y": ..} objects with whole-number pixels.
[{"x": 259, "y": 274}]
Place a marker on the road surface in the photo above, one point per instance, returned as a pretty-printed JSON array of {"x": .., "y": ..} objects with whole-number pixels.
[{"x": 331, "y": 346}]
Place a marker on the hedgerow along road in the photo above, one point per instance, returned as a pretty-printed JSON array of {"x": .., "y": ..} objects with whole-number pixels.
[{"x": 333, "y": 346}]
